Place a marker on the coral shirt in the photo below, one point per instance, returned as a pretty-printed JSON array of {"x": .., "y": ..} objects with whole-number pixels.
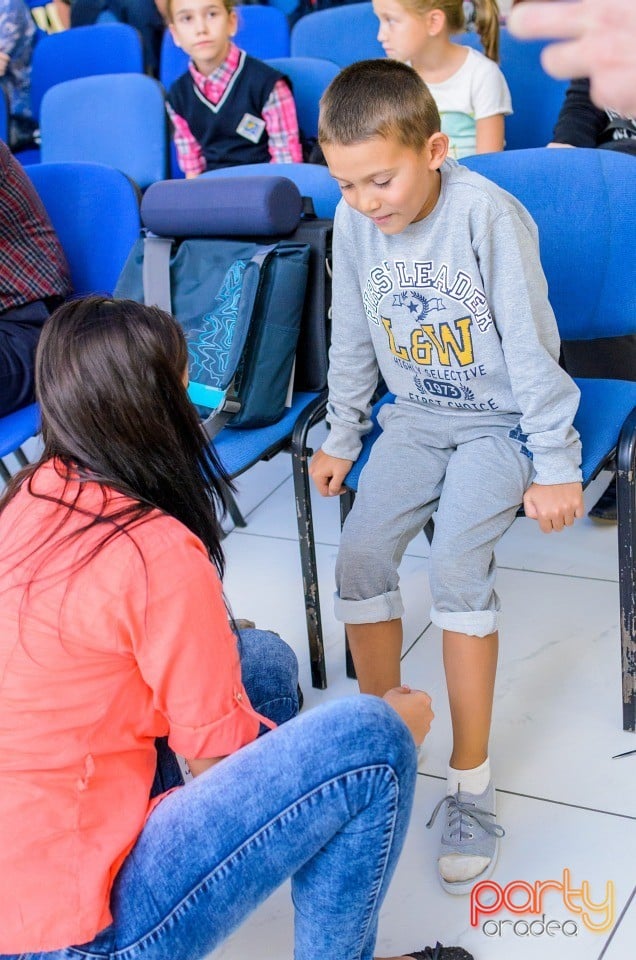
[{"x": 95, "y": 663}]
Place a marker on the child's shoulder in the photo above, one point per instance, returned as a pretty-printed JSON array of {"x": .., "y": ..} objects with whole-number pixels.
[
  {"x": 478, "y": 64},
  {"x": 479, "y": 202},
  {"x": 465, "y": 187}
]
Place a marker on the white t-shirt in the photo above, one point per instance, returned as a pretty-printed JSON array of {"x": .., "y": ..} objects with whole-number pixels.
[{"x": 477, "y": 90}]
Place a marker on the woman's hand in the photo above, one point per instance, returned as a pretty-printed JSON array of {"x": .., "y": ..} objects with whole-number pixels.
[{"x": 414, "y": 707}]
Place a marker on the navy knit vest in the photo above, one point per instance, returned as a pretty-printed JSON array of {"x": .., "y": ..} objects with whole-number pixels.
[{"x": 215, "y": 127}]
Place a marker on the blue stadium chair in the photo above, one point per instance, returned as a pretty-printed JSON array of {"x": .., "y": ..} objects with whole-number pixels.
[
  {"x": 83, "y": 52},
  {"x": 262, "y": 31},
  {"x": 342, "y": 34},
  {"x": 95, "y": 212},
  {"x": 312, "y": 180},
  {"x": 309, "y": 78},
  {"x": 4, "y": 116},
  {"x": 536, "y": 96},
  {"x": 581, "y": 201},
  {"x": 187, "y": 209},
  {"x": 115, "y": 119}
]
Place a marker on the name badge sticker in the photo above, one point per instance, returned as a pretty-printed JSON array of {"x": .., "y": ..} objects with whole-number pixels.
[{"x": 251, "y": 127}]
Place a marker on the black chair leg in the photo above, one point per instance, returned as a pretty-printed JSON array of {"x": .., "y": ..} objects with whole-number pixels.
[
  {"x": 233, "y": 508},
  {"x": 626, "y": 505},
  {"x": 20, "y": 456},
  {"x": 300, "y": 466},
  {"x": 346, "y": 503}
]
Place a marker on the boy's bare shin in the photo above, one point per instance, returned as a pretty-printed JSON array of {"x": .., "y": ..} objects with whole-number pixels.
[
  {"x": 376, "y": 650},
  {"x": 470, "y": 664}
]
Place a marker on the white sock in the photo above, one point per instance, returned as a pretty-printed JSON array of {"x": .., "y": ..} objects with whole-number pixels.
[{"x": 472, "y": 781}]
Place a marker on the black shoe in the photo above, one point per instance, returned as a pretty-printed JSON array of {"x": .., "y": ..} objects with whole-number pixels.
[
  {"x": 604, "y": 510},
  {"x": 438, "y": 952}
]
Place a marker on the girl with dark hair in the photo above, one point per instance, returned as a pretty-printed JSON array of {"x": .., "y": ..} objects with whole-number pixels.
[{"x": 113, "y": 632}]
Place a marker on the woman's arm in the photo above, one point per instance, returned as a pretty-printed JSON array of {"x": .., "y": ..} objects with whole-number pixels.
[{"x": 199, "y": 766}]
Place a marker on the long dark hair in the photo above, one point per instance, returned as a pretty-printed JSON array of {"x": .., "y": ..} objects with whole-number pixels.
[{"x": 114, "y": 407}]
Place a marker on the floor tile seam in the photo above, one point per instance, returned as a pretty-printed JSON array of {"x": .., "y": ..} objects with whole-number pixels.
[
  {"x": 558, "y": 803},
  {"x": 417, "y": 556},
  {"x": 621, "y": 917},
  {"x": 264, "y": 500}
]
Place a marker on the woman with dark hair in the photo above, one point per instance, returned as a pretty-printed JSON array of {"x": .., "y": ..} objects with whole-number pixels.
[{"x": 113, "y": 632}]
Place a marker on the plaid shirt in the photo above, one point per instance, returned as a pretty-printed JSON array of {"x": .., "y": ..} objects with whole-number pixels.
[
  {"x": 32, "y": 263},
  {"x": 279, "y": 114}
]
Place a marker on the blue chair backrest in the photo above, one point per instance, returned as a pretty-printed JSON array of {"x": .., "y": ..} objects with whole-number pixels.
[
  {"x": 83, "y": 52},
  {"x": 312, "y": 180},
  {"x": 536, "y": 96},
  {"x": 4, "y": 116},
  {"x": 309, "y": 78},
  {"x": 342, "y": 34},
  {"x": 262, "y": 31},
  {"x": 117, "y": 119},
  {"x": 95, "y": 212},
  {"x": 583, "y": 202}
]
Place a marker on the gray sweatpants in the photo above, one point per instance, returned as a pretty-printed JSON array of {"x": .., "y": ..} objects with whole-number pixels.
[{"x": 474, "y": 474}]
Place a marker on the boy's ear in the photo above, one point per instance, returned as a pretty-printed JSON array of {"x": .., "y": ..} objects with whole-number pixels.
[
  {"x": 174, "y": 36},
  {"x": 233, "y": 23},
  {"x": 438, "y": 150}
]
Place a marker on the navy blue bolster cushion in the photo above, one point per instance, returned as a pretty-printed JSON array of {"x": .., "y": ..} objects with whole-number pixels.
[{"x": 228, "y": 207}]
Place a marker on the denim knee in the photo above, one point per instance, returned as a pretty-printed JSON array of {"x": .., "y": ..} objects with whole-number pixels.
[
  {"x": 270, "y": 674},
  {"x": 365, "y": 730}
]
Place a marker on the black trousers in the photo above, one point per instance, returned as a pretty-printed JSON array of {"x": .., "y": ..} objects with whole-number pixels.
[
  {"x": 141, "y": 14},
  {"x": 19, "y": 333}
]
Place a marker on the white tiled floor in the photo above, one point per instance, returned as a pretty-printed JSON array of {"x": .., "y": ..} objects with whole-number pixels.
[
  {"x": 557, "y": 722},
  {"x": 565, "y": 803}
]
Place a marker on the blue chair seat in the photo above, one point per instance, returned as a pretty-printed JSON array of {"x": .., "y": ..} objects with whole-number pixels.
[
  {"x": 604, "y": 408},
  {"x": 240, "y": 449},
  {"x": 17, "y": 427}
]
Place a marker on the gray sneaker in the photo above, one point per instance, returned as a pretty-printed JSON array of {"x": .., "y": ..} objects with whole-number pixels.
[{"x": 470, "y": 839}]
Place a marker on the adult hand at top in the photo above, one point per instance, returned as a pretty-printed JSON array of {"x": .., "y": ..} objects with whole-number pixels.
[{"x": 598, "y": 40}]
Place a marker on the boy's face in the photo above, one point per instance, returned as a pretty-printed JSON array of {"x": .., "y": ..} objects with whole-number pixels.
[
  {"x": 203, "y": 29},
  {"x": 391, "y": 184},
  {"x": 402, "y": 34}
]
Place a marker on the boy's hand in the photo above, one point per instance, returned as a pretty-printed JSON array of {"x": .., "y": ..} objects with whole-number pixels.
[
  {"x": 554, "y": 505},
  {"x": 328, "y": 472},
  {"x": 414, "y": 707}
]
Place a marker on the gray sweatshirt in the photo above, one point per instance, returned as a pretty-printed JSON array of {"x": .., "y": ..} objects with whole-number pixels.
[{"x": 454, "y": 313}]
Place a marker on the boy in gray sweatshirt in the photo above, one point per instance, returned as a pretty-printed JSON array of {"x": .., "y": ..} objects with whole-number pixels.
[{"x": 438, "y": 286}]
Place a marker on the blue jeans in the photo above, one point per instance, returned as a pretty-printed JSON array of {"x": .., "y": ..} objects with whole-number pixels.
[
  {"x": 324, "y": 799},
  {"x": 269, "y": 669}
]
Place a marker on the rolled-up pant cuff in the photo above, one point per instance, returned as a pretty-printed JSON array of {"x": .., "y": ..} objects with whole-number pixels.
[
  {"x": 474, "y": 623},
  {"x": 386, "y": 606}
]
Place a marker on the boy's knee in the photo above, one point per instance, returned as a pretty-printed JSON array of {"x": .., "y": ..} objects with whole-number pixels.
[{"x": 364, "y": 569}]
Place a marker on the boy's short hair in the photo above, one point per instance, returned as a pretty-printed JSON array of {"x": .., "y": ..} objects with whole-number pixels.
[{"x": 377, "y": 98}]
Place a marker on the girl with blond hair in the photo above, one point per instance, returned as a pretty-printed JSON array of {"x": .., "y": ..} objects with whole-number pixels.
[{"x": 469, "y": 89}]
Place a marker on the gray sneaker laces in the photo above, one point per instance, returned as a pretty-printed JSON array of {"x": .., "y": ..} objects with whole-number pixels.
[{"x": 461, "y": 814}]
